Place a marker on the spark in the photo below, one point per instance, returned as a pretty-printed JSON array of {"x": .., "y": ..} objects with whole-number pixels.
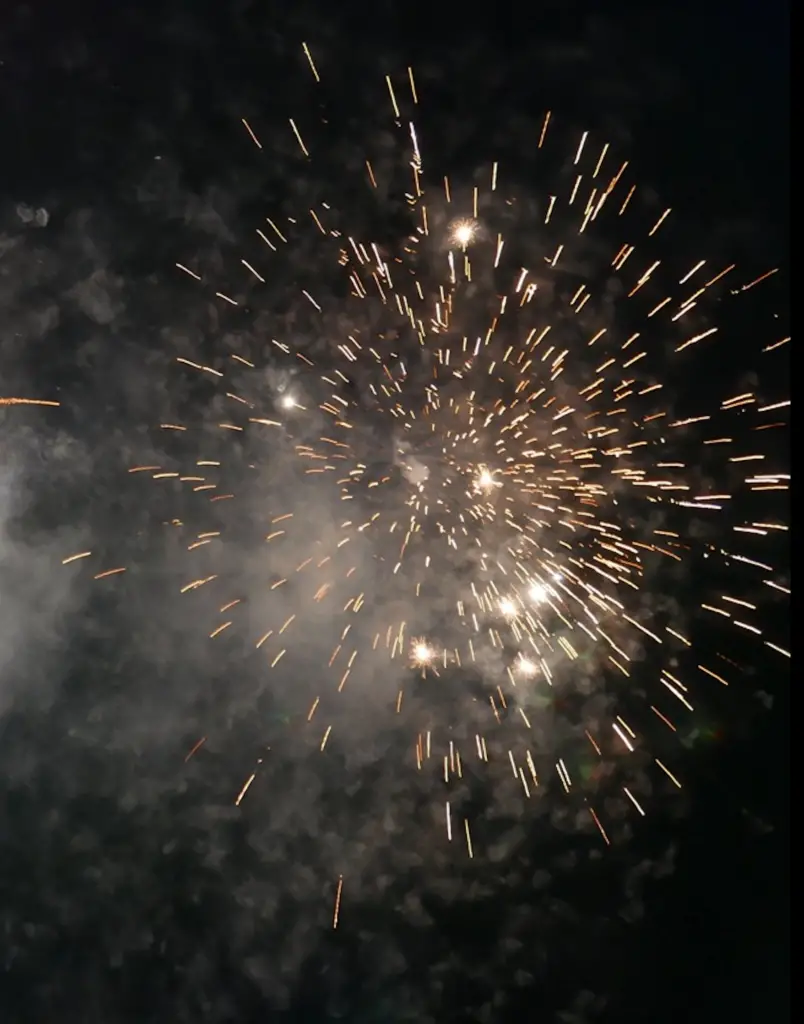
[
  {"x": 28, "y": 401},
  {"x": 422, "y": 653},
  {"x": 337, "y": 910},
  {"x": 507, "y": 607},
  {"x": 463, "y": 233}
]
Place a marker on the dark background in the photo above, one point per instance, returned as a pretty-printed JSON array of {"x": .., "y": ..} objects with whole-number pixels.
[{"x": 88, "y": 96}]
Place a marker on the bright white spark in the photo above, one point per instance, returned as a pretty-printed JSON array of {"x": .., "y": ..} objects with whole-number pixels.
[
  {"x": 526, "y": 667},
  {"x": 484, "y": 481},
  {"x": 422, "y": 653},
  {"x": 463, "y": 233}
]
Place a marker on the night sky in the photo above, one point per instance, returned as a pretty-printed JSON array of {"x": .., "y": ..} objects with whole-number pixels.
[{"x": 131, "y": 889}]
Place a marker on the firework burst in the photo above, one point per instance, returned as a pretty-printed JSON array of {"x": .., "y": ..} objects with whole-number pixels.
[{"x": 473, "y": 487}]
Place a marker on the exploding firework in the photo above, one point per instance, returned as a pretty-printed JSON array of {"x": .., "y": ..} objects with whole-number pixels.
[{"x": 462, "y": 472}]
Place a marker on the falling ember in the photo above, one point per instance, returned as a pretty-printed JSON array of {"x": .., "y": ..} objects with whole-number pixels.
[
  {"x": 195, "y": 748},
  {"x": 109, "y": 572},
  {"x": 337, "y": 911},
  {"x": 602, "y": 831}
]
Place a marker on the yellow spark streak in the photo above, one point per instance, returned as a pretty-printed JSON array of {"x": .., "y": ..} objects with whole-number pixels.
[
  {"x": 659, "y": 223},
  {"x": 254, "y": 139},
  {"x": 298, "y": 137},
  {"x": 28, "y": 401},
  {"x": 245, "y": 789},
  {"x": 668, "y": 773},
  {"x": 186, "y": 270},
  {"x": 74, "y": 558},
  {"x": 468, "y": 839},
  {"x": 310, "y": 61},
  {"x": 543, "y": 133},
  {"x": 714, "y": 675},
  {"x": 198, "y": 366},
  {"x": 633, "y": 800},
  {"x": 393, "y": 97}
]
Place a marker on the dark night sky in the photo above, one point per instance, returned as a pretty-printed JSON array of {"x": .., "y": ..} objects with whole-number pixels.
[{"x": 89, "y": 96}]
